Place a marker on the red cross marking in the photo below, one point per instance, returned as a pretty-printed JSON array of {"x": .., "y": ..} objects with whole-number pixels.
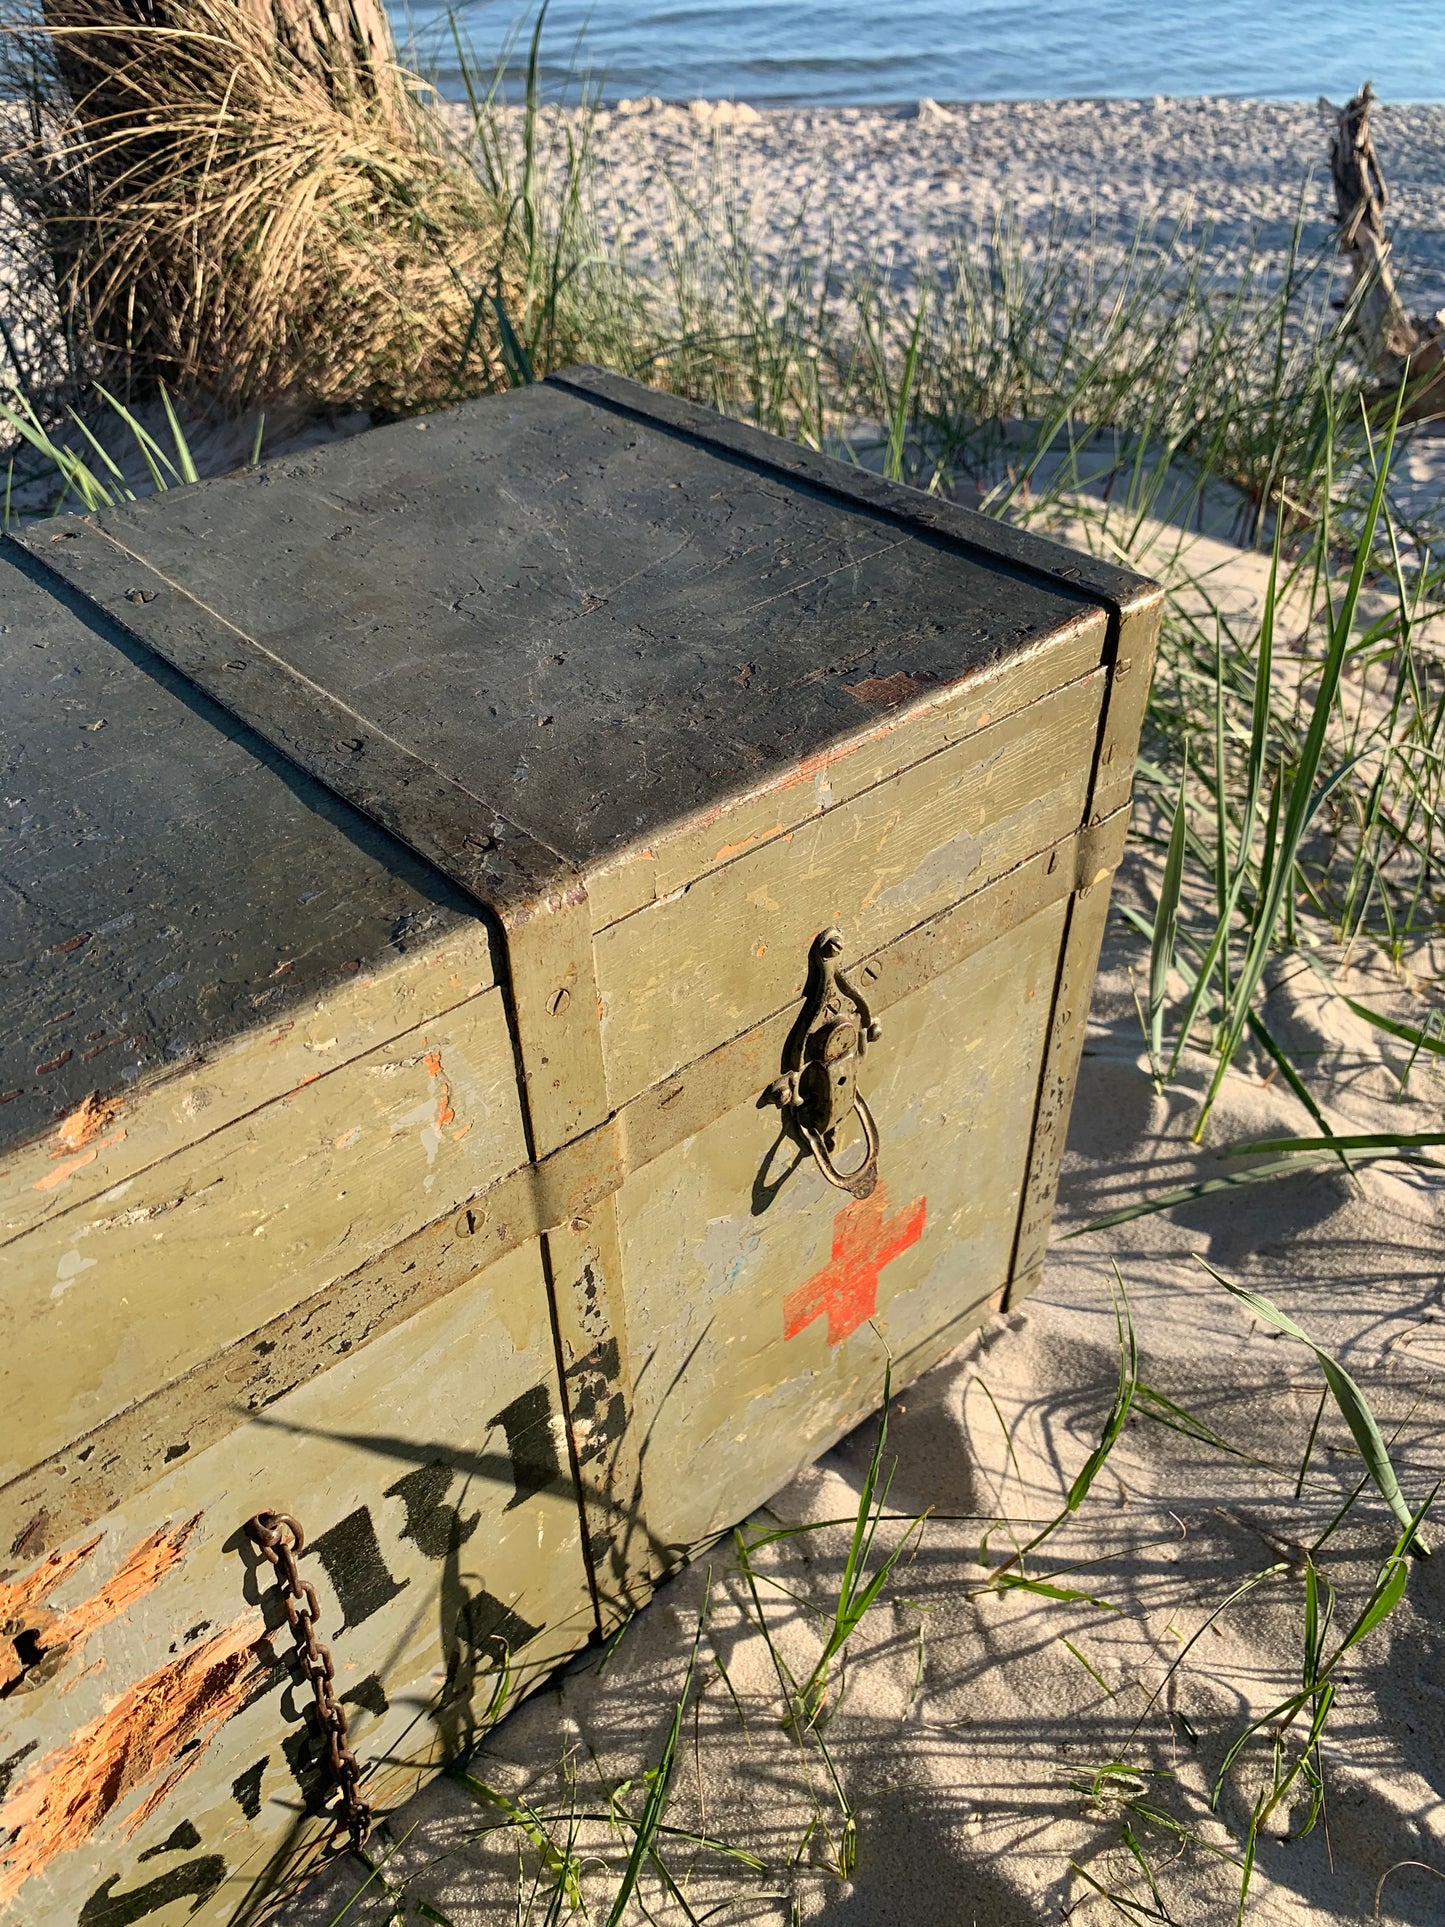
[{"x": 864, "y": 1241}]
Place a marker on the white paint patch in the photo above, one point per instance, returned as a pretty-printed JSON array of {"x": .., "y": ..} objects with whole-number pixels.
[{"x": 67, "y": 1271}]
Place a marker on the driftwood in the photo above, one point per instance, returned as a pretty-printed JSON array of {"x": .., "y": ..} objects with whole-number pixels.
[{"x": 1402, "y": 348}]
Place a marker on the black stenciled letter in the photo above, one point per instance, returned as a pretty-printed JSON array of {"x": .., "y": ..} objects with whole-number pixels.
[
  {"x": 434, "y": 1529},
  {"x": 531, "y": 1443},
  {"x": 355, "y": 1567}
]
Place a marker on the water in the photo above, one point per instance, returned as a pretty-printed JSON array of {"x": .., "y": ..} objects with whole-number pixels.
[{"x": 786, "y": 52}]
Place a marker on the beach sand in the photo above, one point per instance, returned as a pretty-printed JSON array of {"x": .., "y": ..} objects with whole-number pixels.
[
  {"x": 990, "y": 1741},
  {"x": 888, "y": 186}
]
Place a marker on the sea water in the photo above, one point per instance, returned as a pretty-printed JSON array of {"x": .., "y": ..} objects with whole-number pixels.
[{"x": 876, "y": 52}]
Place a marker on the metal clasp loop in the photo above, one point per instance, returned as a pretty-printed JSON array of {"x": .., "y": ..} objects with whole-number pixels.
[{"x": 818, "y": 1089}]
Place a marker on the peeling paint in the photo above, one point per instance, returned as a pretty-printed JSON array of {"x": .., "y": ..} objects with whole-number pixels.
[
  {"x": 887, "y": 692},
  {"x": 730, "y": 850},
  {"x": 19, "y": 1595},
  {"x": 149, "y": 1739},
  {"x": 91, "y": 1116},
  {"x": 61, "y": 1172},
  {"x": 37, "y": 1640}
]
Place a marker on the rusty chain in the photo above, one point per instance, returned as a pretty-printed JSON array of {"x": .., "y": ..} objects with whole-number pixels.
[{"x": 281, "y": 1540}]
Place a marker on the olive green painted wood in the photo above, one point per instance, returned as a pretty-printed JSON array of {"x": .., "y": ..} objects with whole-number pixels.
[
  {"x": 764, "y": 1304},
  {"x": 562, "y": 1190},
  {"x": 160, "y": 1760},
  {"x": 591, "y": 709}
]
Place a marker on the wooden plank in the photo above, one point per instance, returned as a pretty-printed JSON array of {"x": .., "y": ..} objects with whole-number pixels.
[
  {"x": 552, "y": 988},
  {"x": 108, "y": 1300},
  {"x": 160, "y": 1756},
  {"x": 691, "y": 971},
  {"x": 754, "y": 1289},
  {"x": 1028, "y": 556}
]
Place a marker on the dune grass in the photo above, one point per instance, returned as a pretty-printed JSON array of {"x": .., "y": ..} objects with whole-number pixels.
[{"x": 248, "y": 203}]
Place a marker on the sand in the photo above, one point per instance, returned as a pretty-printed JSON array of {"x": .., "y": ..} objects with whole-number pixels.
[
  {"x": 888, "y": 185},
  {"x": 990, "y": 1741}
]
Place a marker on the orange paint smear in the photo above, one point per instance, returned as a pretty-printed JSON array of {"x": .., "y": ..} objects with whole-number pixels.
[
  {"x": 150, "y": 1739},
  {"x": 68, "y": 1170},
  {"x": 90, "y": 1117},
  {"x": 445, "y": 1114},
  {"x": 730, "y": 850}
]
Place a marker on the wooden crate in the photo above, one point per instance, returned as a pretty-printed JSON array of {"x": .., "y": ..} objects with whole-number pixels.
[{"x": 430, "y": 1106}]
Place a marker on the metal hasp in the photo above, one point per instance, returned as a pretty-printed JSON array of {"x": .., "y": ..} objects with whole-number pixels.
[{"x": 818, "y": 1089}]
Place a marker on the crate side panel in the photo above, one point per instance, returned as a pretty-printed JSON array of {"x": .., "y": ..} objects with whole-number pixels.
[
  {"x": 430, "y": 1475},
  {"x": 682, "y": 976},
  {"x": 753, "y": 1287},
  {"x": 109, "y": 1300}
]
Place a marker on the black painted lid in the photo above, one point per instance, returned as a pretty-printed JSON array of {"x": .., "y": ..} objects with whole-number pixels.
[{"x": 590, "y": 618}]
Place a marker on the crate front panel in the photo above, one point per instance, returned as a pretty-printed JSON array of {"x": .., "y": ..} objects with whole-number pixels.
[
  {"x": 753, "y": 1287},
  {"x": 160, "y": 1760},
  {"x": 681, "y": 976}
]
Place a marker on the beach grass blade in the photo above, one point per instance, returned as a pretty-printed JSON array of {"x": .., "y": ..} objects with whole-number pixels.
[
  {"x": 1166, "y": 923},
  {"x": 1123, "y": 1400},
  {"x": 659, "y": 1789},
  {"x": 1276, "y": 892},
  {"x": 1346, "y": 1393}
]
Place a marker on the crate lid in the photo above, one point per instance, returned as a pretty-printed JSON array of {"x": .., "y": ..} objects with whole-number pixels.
[{"x": 535, "y": 631}]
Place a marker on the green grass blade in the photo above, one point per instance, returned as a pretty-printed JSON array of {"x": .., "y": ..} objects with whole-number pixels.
[
  {"x": 1166, "y": 921},
  {"x": 659, "y": 1790},
  {"x": 1346, "y": 1393},
  {"x": 1384, "y": 1143},
  {"x": 1421, "y": 1039},
  {"x": 183, "y": 448},
  {"x": 1123, "y": 1400}
]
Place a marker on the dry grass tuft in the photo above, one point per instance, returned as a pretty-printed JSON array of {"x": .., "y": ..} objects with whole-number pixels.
[{"x": 251, "y": 201}]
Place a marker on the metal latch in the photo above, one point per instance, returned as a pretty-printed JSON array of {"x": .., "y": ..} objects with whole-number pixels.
[{"x": 818, "y": 1090}]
